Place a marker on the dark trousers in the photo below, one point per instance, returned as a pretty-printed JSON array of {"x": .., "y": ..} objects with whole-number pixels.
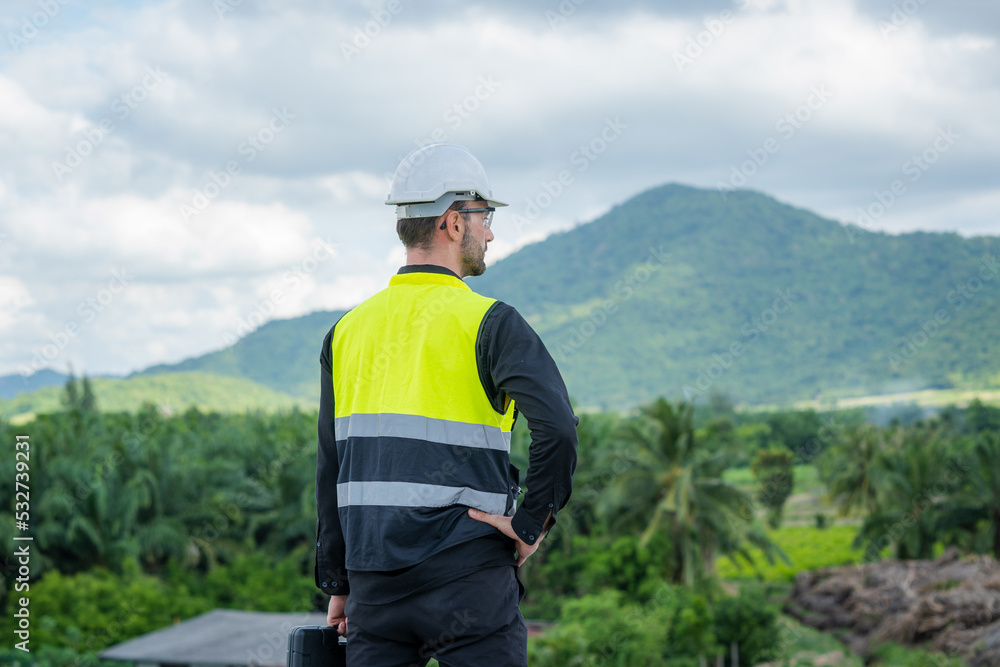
[{"x": 474, "y": 620}]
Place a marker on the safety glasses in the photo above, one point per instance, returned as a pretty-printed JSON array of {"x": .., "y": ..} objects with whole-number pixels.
[{"x": 487, "y": 214}]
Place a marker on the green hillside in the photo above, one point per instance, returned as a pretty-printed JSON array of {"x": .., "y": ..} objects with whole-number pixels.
[
  {"x": 627, "y": 325},
  {"x": 678, "y": 292},
  {"x": 175, "y": 391},
  {"x": 281, "y": 354}
]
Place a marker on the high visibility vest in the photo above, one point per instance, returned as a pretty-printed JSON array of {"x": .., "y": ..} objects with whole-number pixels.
[{"x": 418, "y": 439}]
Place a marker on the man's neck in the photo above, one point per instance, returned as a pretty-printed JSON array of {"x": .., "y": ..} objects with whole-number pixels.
[
  {"x": 437, "y": 258},
  {"x": 427, "y": 268}
]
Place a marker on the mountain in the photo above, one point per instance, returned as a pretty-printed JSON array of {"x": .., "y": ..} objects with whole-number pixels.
[
  {"x": 758, "y": 299},
  {"x": 681, "y": 291},
  {"x": 14, "y": 384},
  {"x": 280, "y": 354}
]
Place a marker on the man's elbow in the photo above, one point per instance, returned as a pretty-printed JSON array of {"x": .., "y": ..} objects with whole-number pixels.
[
  {"x": 568, "y": 441},
  {"x": 566, "y": 434}
]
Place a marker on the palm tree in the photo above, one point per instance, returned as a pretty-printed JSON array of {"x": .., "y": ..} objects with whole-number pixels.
[
  {"x": 91, "y": 514},
  {"x": 597, "y": 467},
  {"x": 676, "y": 488},
  {"x": 846, "y": 469},
  {"x": 913, "y": 483},
  {"x": 979, "y": 505},
  {"x": 986, "y": 482},
  {"x": 180, "y": 485}
]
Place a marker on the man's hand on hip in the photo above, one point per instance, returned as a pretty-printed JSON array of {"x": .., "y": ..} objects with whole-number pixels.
[
  {"x": 502, "y": 523},
  {"x": 335, "y": 614}
]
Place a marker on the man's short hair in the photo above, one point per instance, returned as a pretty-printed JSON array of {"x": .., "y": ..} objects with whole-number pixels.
[{"x": 418, "y": 233}]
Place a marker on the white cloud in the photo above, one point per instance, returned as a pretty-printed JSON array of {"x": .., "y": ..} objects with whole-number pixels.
[
  {"x": 526, "y": 98},
  {"x": 14, "y": 297},
  {"x": 226, "y": 238},
  {"x": 348, "y": 187}
]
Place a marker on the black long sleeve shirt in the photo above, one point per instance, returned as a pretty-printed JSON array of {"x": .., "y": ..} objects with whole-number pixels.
[{"x": 511, "y": 360}]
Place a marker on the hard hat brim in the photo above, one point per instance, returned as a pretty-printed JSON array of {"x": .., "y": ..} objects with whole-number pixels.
[{"x": 435, "y": 208}]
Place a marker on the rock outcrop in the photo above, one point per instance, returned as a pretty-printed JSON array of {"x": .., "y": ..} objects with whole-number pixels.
[{"x": 951, "y": 605}]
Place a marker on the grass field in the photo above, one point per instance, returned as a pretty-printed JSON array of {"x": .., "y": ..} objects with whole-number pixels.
[
  {"x": 169, "y": 391},
  {"x": 806, "y": 479},
  {"x": 807, "y": 547},
  {"x": 807, "y": 500},
  {"x": 936, "y": 398}
]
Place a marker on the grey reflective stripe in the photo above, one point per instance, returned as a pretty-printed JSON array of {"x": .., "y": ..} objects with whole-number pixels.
[
  {"x": 408, "y": 494},
  {"x": 422, "y": 428}
]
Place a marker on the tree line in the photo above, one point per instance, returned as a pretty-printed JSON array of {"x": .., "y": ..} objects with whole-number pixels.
[{"x": 188, "y": 510}]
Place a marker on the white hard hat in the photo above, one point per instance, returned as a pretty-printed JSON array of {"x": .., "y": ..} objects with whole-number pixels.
[{"x": 433, "y": 177}]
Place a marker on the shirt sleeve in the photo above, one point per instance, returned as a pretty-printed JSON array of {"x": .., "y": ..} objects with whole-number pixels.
[
  {"x": 330, "y": 570},
  {"x": 513, "y": 361}
]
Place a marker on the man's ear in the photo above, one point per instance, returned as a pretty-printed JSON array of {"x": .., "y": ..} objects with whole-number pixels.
[{"x": 450, "y": 218}]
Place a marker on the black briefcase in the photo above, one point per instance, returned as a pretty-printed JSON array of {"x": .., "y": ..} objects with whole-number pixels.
[{"x": 316, "y": 646}]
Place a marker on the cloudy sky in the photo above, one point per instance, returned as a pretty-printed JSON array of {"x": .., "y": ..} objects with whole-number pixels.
[{"x": 174, "y": 173}]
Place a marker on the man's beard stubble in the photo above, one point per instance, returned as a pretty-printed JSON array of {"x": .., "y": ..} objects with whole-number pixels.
[{"x": 473, "y": 256}]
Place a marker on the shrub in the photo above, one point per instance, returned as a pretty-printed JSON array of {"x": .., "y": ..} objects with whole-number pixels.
[
  {"x": 604, "y": 629},
  {"x": 748, "y": 621},
  {"x": 774, "y": 473},
  {"x": 898, "y": 656},
  {"x": 82, "y": 614},
  {"x": 675, "y": 626},
  {"x": 90, "y": 611}
]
